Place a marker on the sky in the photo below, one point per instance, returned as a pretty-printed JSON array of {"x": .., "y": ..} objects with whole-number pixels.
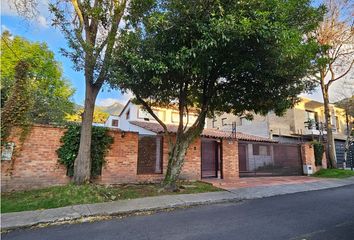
[{"x": 39, "y": 29}]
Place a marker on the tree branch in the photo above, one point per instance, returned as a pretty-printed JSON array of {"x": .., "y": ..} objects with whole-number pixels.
[
  {"x": 341, "y": 76},
  {"x": 118, "y": 14},
  {"x": 78, "y": 12},
  {"x": 149, "y": 109}
]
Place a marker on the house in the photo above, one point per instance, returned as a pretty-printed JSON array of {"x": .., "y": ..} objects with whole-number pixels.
[
  {"x": 218, "y": 154},
  {"x": 132, "y": 113},
  {"x": 304, "y": 122},
  {"x": 139, "y": 153},
  {"x": 256, "y": 153}
]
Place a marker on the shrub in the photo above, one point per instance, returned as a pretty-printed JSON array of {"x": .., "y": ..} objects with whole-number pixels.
[
  {"x": 100, "y": 144},
  {"x": 318, "y": 150}
]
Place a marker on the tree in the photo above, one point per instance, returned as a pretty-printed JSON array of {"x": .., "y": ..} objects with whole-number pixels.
[
  {"x": 91, "y": 28},
  {"x": 16, "y": 108},
  {"x": 335, "y": 59},
  {"x": 215, "y": 56},
  {"x": 45, "y": 86},
  {"x": 346, "y": 102},
  {"x": 98, "y": 116}
]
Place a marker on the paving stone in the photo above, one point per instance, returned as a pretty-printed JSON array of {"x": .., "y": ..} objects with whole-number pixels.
[{"x": 189, "y": 199}]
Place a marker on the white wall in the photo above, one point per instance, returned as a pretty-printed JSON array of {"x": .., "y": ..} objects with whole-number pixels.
[
  {"x": 253, "y": 128},
  {"x": 256, "y": 161},
  {"x": 108, "y": 122}
]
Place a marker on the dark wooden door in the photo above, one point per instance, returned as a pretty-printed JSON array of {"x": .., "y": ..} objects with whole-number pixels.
[
  {"x": 209, "y": 158},
  {"x": 242, "y": 157}
]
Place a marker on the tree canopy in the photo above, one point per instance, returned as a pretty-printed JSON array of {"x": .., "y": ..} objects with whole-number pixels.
[
  {"x": 236, "y": 55},
  {"x": 50, "y": 92},
  {"x": 216, "y": 56}
]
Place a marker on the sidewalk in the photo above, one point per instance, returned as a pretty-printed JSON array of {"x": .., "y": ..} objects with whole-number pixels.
[{"x": 31, "y": 218}]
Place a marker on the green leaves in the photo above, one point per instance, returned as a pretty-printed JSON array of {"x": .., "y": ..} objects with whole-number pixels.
[
  {"x": 50, "y": 93},
  {"x": 100, "y": 144},
  {"x": 183, "y": 48}
]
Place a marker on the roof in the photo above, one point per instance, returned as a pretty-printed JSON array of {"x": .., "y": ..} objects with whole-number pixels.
[
  {"x": 208, "y": 132},
  {"x": 125, "y": 106}
]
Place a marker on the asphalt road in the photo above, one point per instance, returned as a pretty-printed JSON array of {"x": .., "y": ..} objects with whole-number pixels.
[{"x": 324, "y": 214}]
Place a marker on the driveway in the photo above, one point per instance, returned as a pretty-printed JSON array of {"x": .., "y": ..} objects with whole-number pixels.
[
  {"x": 316, "y": 215},
  {"x": 260, "y": 181}
]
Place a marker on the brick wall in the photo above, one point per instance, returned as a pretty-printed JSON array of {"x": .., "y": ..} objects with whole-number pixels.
[
  {"x": 192, "y": 164},
  {"x": 191, "y": 170},
  {"x": 35, "y": 164},
  {"x": 230, "y": 161},
  {"x": 308, "y": 157}
]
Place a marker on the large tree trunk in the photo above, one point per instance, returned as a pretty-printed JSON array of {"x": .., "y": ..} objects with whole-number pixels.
[
  {"x": 330, "y": 138},
  {"x": 176, "y": 156},
  {"x": 82, "y": 165},
  {"x": 347, "y": 141}
]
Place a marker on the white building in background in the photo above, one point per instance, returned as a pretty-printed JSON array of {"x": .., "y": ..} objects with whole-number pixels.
[
  {"x": 133, "y": 115},
  {"x": 112, "y": 121}
]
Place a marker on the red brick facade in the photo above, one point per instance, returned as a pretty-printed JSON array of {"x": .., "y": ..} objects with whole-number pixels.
[
  {"x": 308, "y": 157},
  {"x": 230, "y": 168},
  {"x": 35, "y": 164}
]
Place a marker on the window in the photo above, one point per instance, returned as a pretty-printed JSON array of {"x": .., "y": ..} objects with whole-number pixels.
[
  {"x": 150, "y": 150},
  {"x": 337, "y": 123},
  {"x": 261, "y": 150},
  {"x": 143, "y": 114},
  {"x": 127, "y": 114},
  {"x": 223, "y": 121},
  {"x": 191, "y": 118},
  {"x": 114, "y": 122},
  {"x": 311, "y": 119},
  {"x": 213, "y": 122}
]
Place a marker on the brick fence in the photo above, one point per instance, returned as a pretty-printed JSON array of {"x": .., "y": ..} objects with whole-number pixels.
[
  {"x": 308, "y": 157},
  {"x": 35, "y": 163}
]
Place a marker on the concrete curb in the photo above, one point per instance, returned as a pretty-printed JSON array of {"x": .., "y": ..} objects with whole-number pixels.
[
  {"x": 11, "y": 221},
  {"x": 23, "y": 219}
]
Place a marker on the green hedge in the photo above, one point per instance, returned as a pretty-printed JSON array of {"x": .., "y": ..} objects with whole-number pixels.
[
  {"x": 318, "y": 149},
  {"x": 100, "y": 144}
]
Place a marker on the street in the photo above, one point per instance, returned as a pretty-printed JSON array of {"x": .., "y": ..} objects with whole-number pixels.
[{"x": 324, "y": 214}]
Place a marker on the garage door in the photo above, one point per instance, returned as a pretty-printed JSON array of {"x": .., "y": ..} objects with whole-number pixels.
[{"x": 264, "y": 159}]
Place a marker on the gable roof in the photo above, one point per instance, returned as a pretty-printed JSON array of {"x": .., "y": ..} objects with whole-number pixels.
[
  {"x": 208, "y": 132},
  {"x": 126, "y": 105}
]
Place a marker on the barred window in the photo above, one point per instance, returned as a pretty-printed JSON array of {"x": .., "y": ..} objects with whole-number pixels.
[
  {"x": 150, "y": 151},
  {"x": 261, "y": 150}
]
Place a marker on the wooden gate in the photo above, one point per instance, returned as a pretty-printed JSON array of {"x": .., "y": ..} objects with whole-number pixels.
[
  {"x": 242, "y": 156},
  {"x": 209, "y": 158}
]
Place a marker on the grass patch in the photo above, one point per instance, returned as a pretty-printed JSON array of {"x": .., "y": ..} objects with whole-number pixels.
[
  {"x": 334, "y": 173},
  {"x": 61, "y": 196}
]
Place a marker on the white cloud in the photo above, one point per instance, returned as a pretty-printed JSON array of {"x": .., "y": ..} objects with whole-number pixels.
[
  {"x": 126, "y": 97},
  {"x": 122, "y": 98},
  {"x": 106, "y": 101},
  {"x": 42, "y": 21},
  {"x": 6, "y": 10},
  {"x": 4, "y": 28}
]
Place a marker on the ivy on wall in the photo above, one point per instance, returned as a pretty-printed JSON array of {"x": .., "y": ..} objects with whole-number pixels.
[
  {"x": 318, "y": 150},
  {"x": 15, "y": 111},
  {"x": 100, "y": 145}
]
